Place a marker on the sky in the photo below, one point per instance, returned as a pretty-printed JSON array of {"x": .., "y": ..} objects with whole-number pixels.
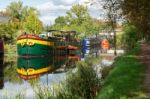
[{"x": 50, "y": 9}]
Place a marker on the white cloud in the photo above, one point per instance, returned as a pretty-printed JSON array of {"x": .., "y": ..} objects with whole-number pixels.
[
  {"x": 48, "y": 19},
  {"x": 83, "y": 2},
  {"x": 64, "y": 2},
  {"x": 49, "y": 11},
  {"x": 3, "y": 10},
  {"x": 50, "y": 6}
]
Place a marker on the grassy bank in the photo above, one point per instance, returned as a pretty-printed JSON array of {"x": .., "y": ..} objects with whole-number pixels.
[{"x": 125, "y": 79}]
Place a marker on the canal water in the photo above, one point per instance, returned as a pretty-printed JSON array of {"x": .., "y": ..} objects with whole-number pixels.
[{"x": 13, "y": 83}]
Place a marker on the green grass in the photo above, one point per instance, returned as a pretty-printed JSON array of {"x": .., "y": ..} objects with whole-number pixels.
[{"x": 125, "y": 80}]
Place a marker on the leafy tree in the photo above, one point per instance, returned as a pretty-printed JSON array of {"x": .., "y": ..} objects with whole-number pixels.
[
  {"x": 78, "y": 19},
  {"x": 111, "y": 8},
  {"x": 17, "y": 13},
  {"x": 77, "y": 14},
  {"x": 137, "y": 13},
  {"x": 7, "y": 32},
  {"x": 59, "y": 22},
  {"x": 129, "y": 37},
  {"x": 21, "y": 18},
  {"x": 32, "y": 24}
]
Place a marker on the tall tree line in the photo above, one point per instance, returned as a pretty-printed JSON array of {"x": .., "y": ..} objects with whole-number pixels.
[
  {"x": 21, "y": 19},
  {"x": 135, "y": 16},
  {"x": 79, "y": 19}
]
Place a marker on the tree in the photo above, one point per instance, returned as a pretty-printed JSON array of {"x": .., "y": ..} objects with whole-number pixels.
[
  {"x": 129, "y": 37},
  {"x": 7, "y": 32},
  {"x": 21, "y": 18},
  {"x": 17, "y": 13},
  {"x": 78, "y": 19},
  {"x": 112, "y": 9},
  {"x": 32, "y": 24},
  {"x": 137, "y": 13},
  {"x": 59, "y": 22},
  {"x": 77, "y": 14}
]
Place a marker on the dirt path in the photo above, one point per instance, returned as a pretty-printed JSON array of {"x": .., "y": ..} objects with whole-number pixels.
[{"x": 145, "y": 58}]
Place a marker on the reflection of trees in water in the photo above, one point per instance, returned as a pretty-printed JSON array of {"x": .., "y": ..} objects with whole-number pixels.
[
  {"x": 10, "y": 67},
  {"x": 10, "y": 73}
]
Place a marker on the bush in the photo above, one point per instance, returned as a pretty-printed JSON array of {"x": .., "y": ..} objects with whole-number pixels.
[
  {"x": 10, "y": 49},
  {"x": 105, "y": 71},
  {"x": 130, "y": 36},
  {"x": 83, "y": 83}
]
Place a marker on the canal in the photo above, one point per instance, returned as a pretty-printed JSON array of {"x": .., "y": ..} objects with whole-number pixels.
[{"x": 18, "y": 75}]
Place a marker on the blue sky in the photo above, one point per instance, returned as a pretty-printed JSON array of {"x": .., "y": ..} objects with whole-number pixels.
[{"x": 51, "y": 9}]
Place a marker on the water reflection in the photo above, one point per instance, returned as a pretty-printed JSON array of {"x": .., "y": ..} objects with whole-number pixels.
[
  {"x": 23, "y": 74},
  {"x": 28, "y": 68},
  {"x": 33, "y": 67}
]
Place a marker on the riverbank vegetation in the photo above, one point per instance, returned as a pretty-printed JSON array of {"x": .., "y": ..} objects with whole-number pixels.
[
  {"x": 125, "y": 80},
  {"x": 81, "y": 82}
]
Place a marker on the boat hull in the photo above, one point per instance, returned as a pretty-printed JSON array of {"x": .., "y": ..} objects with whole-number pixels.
[
  {"x": 36, "y": 50},
  {"x": 34, "y": 47}
]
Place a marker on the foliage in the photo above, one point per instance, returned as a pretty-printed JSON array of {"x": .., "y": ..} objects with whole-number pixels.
[
  {"x": 17, "y": 13},
  {"x": 8, "y": 32},
  {"x": 105, "y": 71},
  {"x": 129, "y": 37},
  {"x": 111, "y": 8},
  {"x": 119, "y": 40},
  {"x": 10, "y": 72},
  {"x": 43, "y": 92},
  {"x": 21, "y": 18},
  {"x": 137, "y": 13},
  {"x": 78, "y": 19},
  {"x": 82, "y": 83},
  {"x": 10, "y": 50},
  {"x": 32, "y": 24},
  {"x": 20, "y": 95},
  {"x": 125, "y": 79}
]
